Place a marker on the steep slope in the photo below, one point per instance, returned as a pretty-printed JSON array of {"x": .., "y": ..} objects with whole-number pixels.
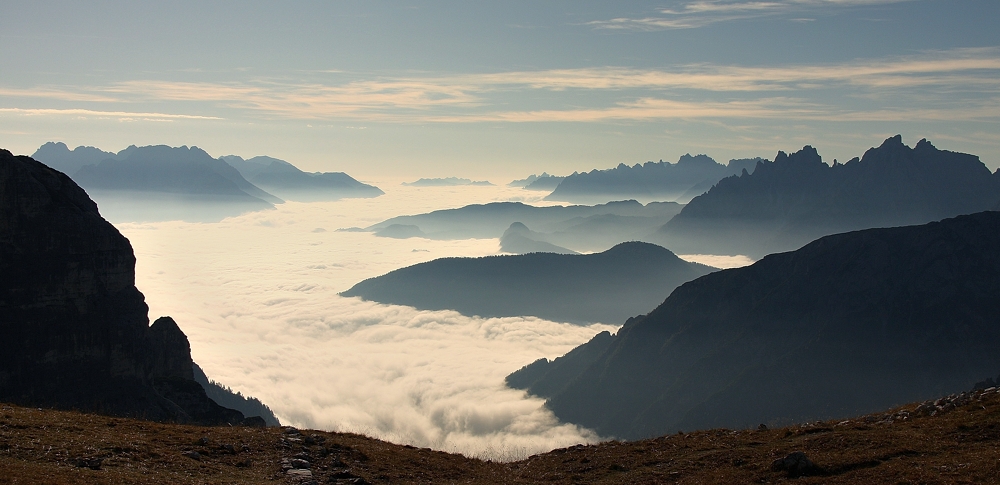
[
  {"x": 848, "y": 324},
  {"x": 797, "y": 198},
  {"x": 605, "y": 287},
  {"x": 73, "y": 327},
  {"x": 649, "y": 181}
]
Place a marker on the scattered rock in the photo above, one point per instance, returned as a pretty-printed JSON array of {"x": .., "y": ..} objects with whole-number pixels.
[
  {"x": 299, "y": 473},
  {"x": 300, "y": 463},
  {"x": 227, "y": 448},
  {"x": 796, "y": 464},
  {"x": 761, "y": 427},
  {"x": 244, "y": 463},
  {"x": 194, "y": 455}
]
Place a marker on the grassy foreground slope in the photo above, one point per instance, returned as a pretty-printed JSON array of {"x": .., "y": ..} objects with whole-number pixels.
[{"x": 952, "y": 440}]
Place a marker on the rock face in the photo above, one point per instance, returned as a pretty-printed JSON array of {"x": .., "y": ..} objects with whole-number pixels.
[
  {"x": 74, "y": 328},
  {"x": 604, "y": 287},
  {"x": 784, "y": 204},
  {"x": 847, "y": 325}
]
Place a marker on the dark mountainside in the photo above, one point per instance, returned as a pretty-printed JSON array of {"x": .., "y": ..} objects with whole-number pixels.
[
  {"x": 518, "y": 239},
  {"x": 58, "y": 156},
  {"x": 798, "y": 198},
  {"x": 680, "y": 181},
  {"x": 605, "y": 287},
  {"x": 577, "y": 227},
  {"x": 225, "y": 397},
  {"x": 287, "y": 181},
  {"x": 75, "y": 334},
  {"x": 849, "y": 324}
]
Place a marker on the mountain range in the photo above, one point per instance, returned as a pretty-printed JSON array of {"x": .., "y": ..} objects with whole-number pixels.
[
  {"x": 577, "y": 227},
  {"x": 161, "y": 183},
  {"x": 661, "y": 181},
  {"x": 605, "y": 287},
  {"x": 797, "y": 198},
  {"x": 846, "y": 325},
  {"x": 538, "y": 182},
  {"x": 74, "y": 330}
]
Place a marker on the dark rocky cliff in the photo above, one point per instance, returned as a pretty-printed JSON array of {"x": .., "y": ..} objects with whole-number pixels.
[{"x": 74, "y": 331}]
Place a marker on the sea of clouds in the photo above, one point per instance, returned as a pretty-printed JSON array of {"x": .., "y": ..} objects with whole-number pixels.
[{"x": 257, "y": 297}]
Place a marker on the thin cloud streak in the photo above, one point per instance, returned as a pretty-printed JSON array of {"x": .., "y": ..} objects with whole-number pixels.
[
  {"x": 621, "y": 93},
  {"x": 124, "y": 115},
  {"x": 706, "y": 12}
]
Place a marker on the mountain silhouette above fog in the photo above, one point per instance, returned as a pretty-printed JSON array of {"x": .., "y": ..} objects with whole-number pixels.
[
  {"x": 796, "y": 198},
  {"x": 288, "y": 182},
  {"x": 848, "y": 324},
  {"x": 680, "y": 182},
  {"x": 74, "y": 331},
  {"x": 577, "y": 227},
  {"x": 446, "y": 182},
  {"x": 153, "y": 183},
  {"x": 605, "y": 287}
]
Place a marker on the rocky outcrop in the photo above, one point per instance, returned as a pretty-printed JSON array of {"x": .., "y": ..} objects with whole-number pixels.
[
  {"x": 784, "y": 204},
  {"x": 74, "y": 331}
]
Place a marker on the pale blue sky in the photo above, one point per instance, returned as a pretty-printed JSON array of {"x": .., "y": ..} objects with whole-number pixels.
[{"x": 502, "y": 89}]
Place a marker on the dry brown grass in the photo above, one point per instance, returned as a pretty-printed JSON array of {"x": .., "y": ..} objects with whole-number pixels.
[{"x": 961, "y": 445}]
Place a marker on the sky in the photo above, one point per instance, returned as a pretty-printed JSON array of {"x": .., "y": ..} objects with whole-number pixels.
[{"x": 499, "y": 90}]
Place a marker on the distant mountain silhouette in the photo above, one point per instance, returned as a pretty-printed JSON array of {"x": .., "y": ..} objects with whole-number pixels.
[
  {"x": 849, "y": 324},
  {"x": 583, "y": 228},
  {"x": 603, "y": 287},
  {"x": 681, "y": 181},
  {"x": 538, "y": 182},
  {"x": 58, "y": 156},
  {"x": 518, "y": 239},
  {"x": 445, "y": 182},
  {"x": 287, "y": 181},
  {"x": 161, "y": 182},
  {"x": 797, "y": 198},
  {"x": 74, "y": 331}
]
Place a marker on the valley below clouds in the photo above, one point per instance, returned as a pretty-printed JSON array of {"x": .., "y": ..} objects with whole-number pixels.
[{"x": 257, "y": 296}]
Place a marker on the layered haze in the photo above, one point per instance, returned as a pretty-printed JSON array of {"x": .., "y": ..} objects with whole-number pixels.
[{"x": 257, "y": 296}]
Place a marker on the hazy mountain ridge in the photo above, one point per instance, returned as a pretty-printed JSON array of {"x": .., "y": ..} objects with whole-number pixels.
[
  {"x": 848, "y": 324},
  {"x": 538, "y": 182},
  {"x": 445, "y": 182},
  {"x": 289, "y": 182},
  {"x": 604, "y": 287},
  {"x": 577, "y": 227},
  {"x": 680, "y": 181},
  {"x": 518, "y": 239},
  {"x": 75, "y": 328},
  {"x": 797, "y": 198}
]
